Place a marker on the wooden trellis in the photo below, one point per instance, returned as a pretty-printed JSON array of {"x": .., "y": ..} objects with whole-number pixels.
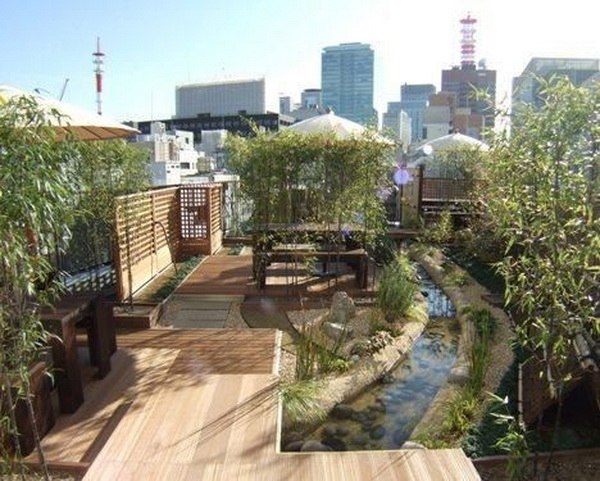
[{"x": 155, "y": 228}]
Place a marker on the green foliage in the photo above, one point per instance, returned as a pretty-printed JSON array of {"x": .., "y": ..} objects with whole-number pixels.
[
  {"x": 315, "y": 355},
  {"x": 168, "y": 287},
  {"x": 459, "y": 413},
  {"x": 441, "y": 232},
  {"x": 397, "y": 288},
  {"x": 105, "y": 170},
  {"x": 479, "y": 355},
  {"x": 36, "y": 205},
  {"x": 291, "y": 177},
  {"x": 300, "y": 401},
  {"x": 541, "y": 192},
  {"x": 514, "y": 442}
]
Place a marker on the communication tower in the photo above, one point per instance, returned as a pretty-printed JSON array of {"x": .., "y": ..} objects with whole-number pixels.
[{"x": 99, "y": 63}]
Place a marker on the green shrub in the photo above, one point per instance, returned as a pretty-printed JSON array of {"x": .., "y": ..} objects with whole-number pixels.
[
  {"x": 174, "y": 281},
  {"x": 442, "y": 232},
  {"x": 460, "y": 412},
  {"x": 300, "y": 401},
  {"x": 397, "y": 288}
]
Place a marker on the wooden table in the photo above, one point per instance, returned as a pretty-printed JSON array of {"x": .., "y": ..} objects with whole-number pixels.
[
  {"x": 358, "y": 257},
  {"x": 61, "y": 320}
]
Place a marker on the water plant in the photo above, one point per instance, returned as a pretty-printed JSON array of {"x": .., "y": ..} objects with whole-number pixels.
[
  {"x": 300, "y": 401},
  {"x": 397, "y": 288}
]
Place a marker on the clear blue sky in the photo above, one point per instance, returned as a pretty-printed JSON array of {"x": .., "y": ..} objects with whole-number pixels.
[{"x": 152, "y": 46}]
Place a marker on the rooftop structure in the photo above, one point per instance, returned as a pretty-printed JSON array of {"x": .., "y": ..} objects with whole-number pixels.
[{"x": 229, "y": 97}]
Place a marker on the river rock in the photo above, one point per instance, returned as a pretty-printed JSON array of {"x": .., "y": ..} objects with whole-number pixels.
[
  {"x": 412, "y": 445},
  {"x": 342, "y": 308},
  {"x": 294, "y": 446},
  {"x": 377, "y": 432},
  {"x": 399, "y": 437},
  {"x": 342, "y": 411},
  {"x": 336, "y": 444},
  {"x": 459, "y": 375},
  {"x": 330, "y": 430},
  {"x": 360, "y": 439},
  {"x": 293, "y": 436},
  {"x": 313, "y": 445},
  {"x": 387, "y": 379},
  {"x": 336, "y": 330}
]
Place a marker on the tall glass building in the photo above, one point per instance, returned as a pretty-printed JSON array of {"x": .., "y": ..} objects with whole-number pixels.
[
  {"x": 414, "y": 98},
  {"x": 347, "y": 81}
]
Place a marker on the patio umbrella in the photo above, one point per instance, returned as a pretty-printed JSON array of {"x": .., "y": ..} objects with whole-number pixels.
[
  {"x": 341, "y": 127},
  {"x": 84, "y": 125}
]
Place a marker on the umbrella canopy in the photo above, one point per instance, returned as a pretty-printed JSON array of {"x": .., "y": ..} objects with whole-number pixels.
[
  {"x": 341, "y": 127},
  {"x": 451, "y": 141},
  {"x": 82, "y": 124}
]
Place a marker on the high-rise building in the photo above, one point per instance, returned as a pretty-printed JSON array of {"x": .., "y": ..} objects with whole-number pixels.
[
  {"x": 413, "y": 100},
  {"x": 230, "y": 97},
  {"x": 468, "y": 78},
  {"x": 347, "y": 81},
  {"x": 311, "y": 99},
  {"x": 397, "y": 121},
  {"x": 465, "y": 83},
  {"x": 285, "y": 104},
  {"x": 526, "y": 87}
]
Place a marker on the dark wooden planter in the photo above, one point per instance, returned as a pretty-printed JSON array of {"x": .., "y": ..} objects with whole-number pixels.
[
  {"x": 142, "y": 316},
  {"x": 41, "y": 385}
]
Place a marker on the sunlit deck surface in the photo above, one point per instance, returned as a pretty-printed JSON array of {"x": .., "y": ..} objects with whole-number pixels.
[
  {"x": 232, "y": 276},
  {"x": 203, "y": 405}
]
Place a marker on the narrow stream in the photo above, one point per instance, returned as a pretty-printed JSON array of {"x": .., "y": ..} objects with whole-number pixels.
[{"x": 384, "y": 416}]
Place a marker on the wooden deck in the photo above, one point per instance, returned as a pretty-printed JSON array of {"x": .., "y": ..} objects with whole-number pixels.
[
  {"x": 220, "y": 275},
  {"x": 203, "y": 405},
  {"x": 232, "y": 276}
]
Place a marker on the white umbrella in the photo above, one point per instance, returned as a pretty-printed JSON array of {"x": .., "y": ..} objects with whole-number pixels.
[
  {"x": 82, "y": 124},
  {"x": 341, "y": 127},
  {"x": 451, "y": 141}
]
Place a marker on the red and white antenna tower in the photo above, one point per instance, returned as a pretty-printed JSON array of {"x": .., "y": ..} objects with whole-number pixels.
[
  {"x": 467, "y": 42},
  {"x": 99, "y": 62}
]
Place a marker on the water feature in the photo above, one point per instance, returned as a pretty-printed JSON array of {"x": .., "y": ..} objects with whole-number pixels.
[{"x": 384, "y": 416}]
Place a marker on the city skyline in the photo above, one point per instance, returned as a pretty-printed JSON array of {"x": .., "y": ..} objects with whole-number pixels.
[{"x": 150, "y": 49}]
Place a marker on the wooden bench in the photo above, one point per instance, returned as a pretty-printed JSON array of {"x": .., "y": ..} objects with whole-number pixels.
[
  {"x": 356, "y": 257},
  {"x": 61, "y": 321}
]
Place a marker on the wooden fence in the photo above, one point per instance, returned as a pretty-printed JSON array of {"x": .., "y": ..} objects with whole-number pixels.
[
  {"x": 426, "y": 195},
  {"x": 156, "y": 228}
]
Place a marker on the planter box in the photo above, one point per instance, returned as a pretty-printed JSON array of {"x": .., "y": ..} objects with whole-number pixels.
[
  {"x": 41, "y": 385},
  {"x": 141, "y": 316}
]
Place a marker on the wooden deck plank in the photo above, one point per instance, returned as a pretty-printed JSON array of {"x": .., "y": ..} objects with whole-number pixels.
[{"x": 193, "y": 418}]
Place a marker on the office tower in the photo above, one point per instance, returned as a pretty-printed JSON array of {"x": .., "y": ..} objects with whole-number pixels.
[
  {"x": 413, "y": 100},
  {"x": 347, "y": 81}
]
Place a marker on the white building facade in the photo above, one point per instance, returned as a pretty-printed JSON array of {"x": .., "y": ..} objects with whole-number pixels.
[
  {"x": 220, "y": 98},
  {"x": 171, "y": 154}
]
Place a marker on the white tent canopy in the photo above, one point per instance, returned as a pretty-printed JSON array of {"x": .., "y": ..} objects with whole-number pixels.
[
  {"x": 425, "y": 154},
  {"x": 449, "y": 142},
  {"x": 82, "y": 124},
  {"x": 341, "y": 127}
]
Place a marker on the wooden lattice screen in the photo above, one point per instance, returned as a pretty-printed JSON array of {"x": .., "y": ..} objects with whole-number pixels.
[
  {"x": 156, "y": 228},
  {"x": 201, "y": 231},
  {"x": 444, "y": 189}
]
